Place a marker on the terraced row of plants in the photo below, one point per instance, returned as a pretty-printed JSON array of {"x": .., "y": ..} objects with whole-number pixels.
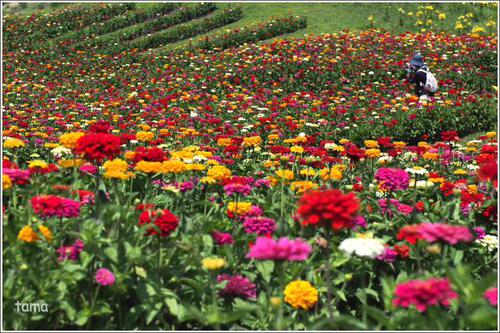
[
  {"x": 182, "y": 15},
  {"x": 115, "y": 28},
  {"x": 257, "y": 32},
  {"x": 24, "y": 32},
  {"x": 131, "y": 17}
]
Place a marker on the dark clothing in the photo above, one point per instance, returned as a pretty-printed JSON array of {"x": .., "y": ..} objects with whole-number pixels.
[{"x": 419, "y": 78}]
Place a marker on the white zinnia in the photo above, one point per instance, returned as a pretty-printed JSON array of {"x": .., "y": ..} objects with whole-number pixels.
[
  {"x": 362, "y": 247},
  {"x": 421, "y": 184},
  {"x": 60, "y": 151},
  {"x": 417, "y": 171},
  {"x": 489, "y": 241}
]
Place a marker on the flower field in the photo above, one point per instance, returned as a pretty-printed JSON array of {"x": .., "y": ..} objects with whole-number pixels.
[{"x": 294, "y": 184}]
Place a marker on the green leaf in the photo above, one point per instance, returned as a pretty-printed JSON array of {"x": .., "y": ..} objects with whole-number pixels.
[
  {"x": 265, "y": 268},
  {"x": 173, "y": 306},
  {"x": 112, "y": 254},
  {"x": 153, "y": 312},
  {"x": 377, "y": 314},
  {"x": 69, "y": 309},
  {"x": 341, "y": 295},
  {"x": 82, "y": 317},
  {"x": 140, "y": 272},
  {"x": 339, "y": 261},
  {"x": 208, "y": 242}
]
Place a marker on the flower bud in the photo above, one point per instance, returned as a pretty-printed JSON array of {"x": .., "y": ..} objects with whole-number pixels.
[{"x": 275, "y": 301}]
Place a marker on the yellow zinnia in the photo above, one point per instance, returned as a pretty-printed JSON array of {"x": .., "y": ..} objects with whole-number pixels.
[
  {"x": 148, "y": 167},
  {"x": 173, "y": 166},
  {"x": 239, "y": 208},
  {"x": 219, "y": 172},
  {"x": 116, "y": 169},
  {"x": 45, "y": 232},
  {"x": 68, "y": 140},
  {"x": 371, "y": 144},
  {"x": 144, "y": 136},
  {"x": 372, "y": 153},
  {"x": 301, "y": 294},
  {"x": 28, "y": 235},
  {"x": 213, "y": 264},
  {"x": 13, "y": 143},
  {"x": 6, "y": 182}
]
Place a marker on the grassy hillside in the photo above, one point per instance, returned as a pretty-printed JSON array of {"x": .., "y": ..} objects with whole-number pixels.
[
  {"x": 332, "y": 17},
  {"x": 454, "y": 18}
]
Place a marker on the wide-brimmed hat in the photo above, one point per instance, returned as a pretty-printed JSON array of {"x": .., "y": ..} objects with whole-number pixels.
[{"x": 417, "y": 60}]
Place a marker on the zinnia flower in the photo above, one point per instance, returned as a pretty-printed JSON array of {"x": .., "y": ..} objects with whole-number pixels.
[
  {"x": 98, "y": 146},
  {"x": 237, "y": 286},
  {"x": 282, "y": 249},
  {"x": 165, "y": 222},
  {"x": 392, "y": 179},
  {"x": 492, "y": 296},
  {"x": 440, "y": 232},
  {"x": 389, "y": 255},
  {"x": 52, "y": 205},
  {"x": 363, "y": 247},
  {"x": 259, "y": 225},
  {"x": 222, "y": 238},
  {"x": 71, "y": 252},
  {"x": 424, "y": 293},
  {"x": 104, "y": 277},
  {"x": 28, "y": 235},
  {"x": 331, "y": 207},
  {"x": 301, "y": 294},
  {"x": 213, "y": 264}
]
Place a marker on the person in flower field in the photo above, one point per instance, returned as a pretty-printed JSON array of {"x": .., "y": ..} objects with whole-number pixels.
[{"x": 418, "y": 73}]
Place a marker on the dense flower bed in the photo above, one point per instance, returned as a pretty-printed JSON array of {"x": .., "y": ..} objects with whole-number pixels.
[{"x": 291, "y": 185}]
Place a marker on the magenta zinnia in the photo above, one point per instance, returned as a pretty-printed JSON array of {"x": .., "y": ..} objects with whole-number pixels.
[
  {"x": 281, "y": 249},
  {"x": 392, "y": 179},
  {"x": 424, "y": 293},
  {"x": 237, "y": 286}
]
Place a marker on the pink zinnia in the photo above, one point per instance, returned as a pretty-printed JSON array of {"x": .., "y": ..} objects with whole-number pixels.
[
  {"x": 440, "y": 232},
  {"x": 492, "y": 296},
  {"x": 89, "y": 168},
  {"x": 259, "y": 225},
  {"x": 237, "y": 286},
  {"x": 104, "y": 277},
  {"x": 424, "y": 293},
  {"x": 282, "y": 249},
  {"x": 18, "y": 176},
  {"x": 402, "y": 208},
  {"x": 71, "y": 252},
  {"x": 222, "y": 238},
  {"x": 237, "y": 188},
  {"x": 392, "y": 179}
]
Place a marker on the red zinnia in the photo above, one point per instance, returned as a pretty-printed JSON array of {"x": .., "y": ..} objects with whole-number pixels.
[
  {"x": 98, "y": 146},
  {"x": 403, "y": 250},
  {"x": 165, "y": 222},
  {"x": 489, "y": 172},
  {"x": 149, "y": 154},
  {"x": 409, "y": 233},
  {"x": 329, "y": 207}
]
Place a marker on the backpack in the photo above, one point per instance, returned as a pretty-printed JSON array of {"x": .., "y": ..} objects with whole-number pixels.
[{"x": 431, "y": 84}]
